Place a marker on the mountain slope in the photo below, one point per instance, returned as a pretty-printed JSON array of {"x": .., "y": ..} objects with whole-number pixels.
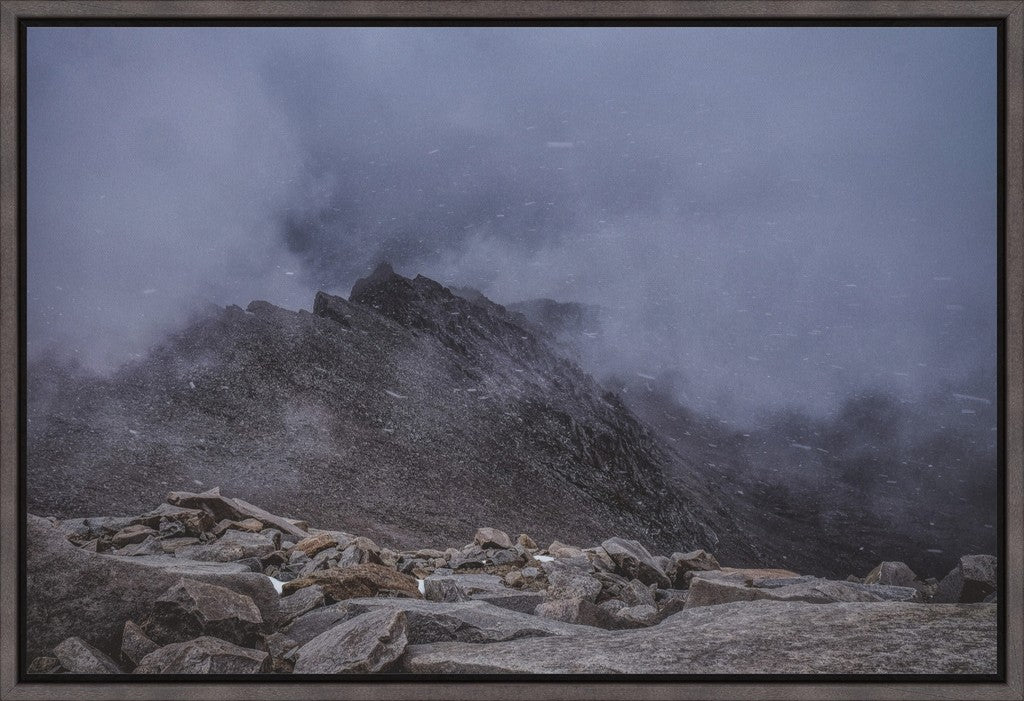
[{"x": 406, "y": 412}]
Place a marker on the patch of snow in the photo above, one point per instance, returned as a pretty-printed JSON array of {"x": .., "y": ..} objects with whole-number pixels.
[
  {"x": 801, "y": 446},
  {"x": 543, "y": 558},
  {"x": 396, "y": 395},
  {"x": 278, "y": 585},
  {"x": 646, "y": 377},
  {"x": 420, "y": 584}
]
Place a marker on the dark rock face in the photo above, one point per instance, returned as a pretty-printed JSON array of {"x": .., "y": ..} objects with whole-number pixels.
[
  {"x": 74, "y": 592},
  {"x": 973, "y": 579},
  {"x": 370, "y": 642},
  {"x": 749, "y": 638},
  {"x": 205, "y": 655},
  {"x": 424, "y": 387}
]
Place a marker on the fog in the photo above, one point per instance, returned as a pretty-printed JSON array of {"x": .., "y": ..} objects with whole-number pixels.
[{"x": 775, "y": 217}]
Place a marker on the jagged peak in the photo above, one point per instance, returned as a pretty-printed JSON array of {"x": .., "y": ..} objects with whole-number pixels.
[{"x": 381, "y": 275}]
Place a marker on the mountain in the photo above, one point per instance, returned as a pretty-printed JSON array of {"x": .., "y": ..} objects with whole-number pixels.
[{"x": 405, "y": 412}]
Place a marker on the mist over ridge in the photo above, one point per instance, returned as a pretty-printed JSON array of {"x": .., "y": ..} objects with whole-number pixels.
[{"x": 770, "y": 217}]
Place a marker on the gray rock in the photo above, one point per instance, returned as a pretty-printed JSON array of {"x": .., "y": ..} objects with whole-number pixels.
[
  {"x": 492, "y": 538},
  {"x": 636, "y": 593},
  {"x": 763, "y": 637},
  {"x": 135, "y": 644},
  {"x": 892, "y": 573},
  {"x": 971, "y": 580},
  {"x": 44, "y": 665},
  {"x": 681, "y": 565},
  {"x": 71, "y": 592},
  {"x": 465, "y": 621},
  {"x": 135, "y": 533},
  {"x": 191, "y": 609},
  {"x": 220, "y": 507},
  {"x": 300, "y": 602},
  {"x": 561, "y": 550},
  {"x": 204, "y": 655},
  {"x": 568, "y": 584},
  {"x": 521, "y": 601},
  {"x": 645, "y": 615},
  {"x": 79, "y": 657},
  {"x": 370, "y": 642},
  {"x": 713, "y": 592},
  {"x": 460, "y": 587},
  {"x": 230, "y": 547},
  {"x": 579, "y": 612},
  {"x": 282, "y": 651},
  {"x": 612, "y": 605},
  {"x": 633, "y": 561}
]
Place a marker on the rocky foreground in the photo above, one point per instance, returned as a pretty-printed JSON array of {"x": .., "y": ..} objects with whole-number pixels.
[{"x": 206, "y": 584}]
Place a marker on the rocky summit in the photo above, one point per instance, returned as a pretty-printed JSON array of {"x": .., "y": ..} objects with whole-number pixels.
[{"x": 170, "y": 591}]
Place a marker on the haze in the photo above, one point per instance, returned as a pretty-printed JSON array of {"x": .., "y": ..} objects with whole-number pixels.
[{"x": 778, "y": 216}]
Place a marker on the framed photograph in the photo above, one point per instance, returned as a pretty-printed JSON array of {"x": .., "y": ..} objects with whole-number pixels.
[{"x": 482, "y": 350}]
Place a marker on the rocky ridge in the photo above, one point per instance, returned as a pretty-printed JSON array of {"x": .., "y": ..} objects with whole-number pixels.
[{"x": 208, "y": 584}]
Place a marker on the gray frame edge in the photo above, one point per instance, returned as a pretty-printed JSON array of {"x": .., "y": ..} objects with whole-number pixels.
[{"x": 1010, "y": 10}]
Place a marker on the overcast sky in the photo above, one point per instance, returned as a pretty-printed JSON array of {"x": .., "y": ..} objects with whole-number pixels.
[{"x": 780, "y": 215}]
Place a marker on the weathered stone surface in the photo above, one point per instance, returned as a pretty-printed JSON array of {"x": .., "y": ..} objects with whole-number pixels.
[
  {"x": 971, "y": 580},
  {"x": 193, "y": 522},
  {"x": 492, "y": 538},
  {"x": 204, "y": 655},
  {"x": 370, "y": 642},
  {"x": 282, "y": 651},
  {"x": 632, "y": 560},
  {"x": 191, "y": 609},
  {"x": 682, "y": 564},
  {"x": 460, "y": 587},
  {"x": 579, "y": 612},
  {"x": 82, "y": 530},
  {"x": 221, "y": 507},
  {"x": 358, "y": 581},
  {"x": 44, "y": 665},
  {"x": 713, "y": 592},
  {"x": 644, "y": 615},
  {"x": 763, "y": 637},
  {"x": 521, "y": 601},
  {"x": 893, "y": 573},
  {"x": 232, "y": 546},
  {"x": 559, "y": 549},
  {"x": 526, "y": 541},
  {"x": 79, "y": 657},
  {"x": 135, "y": 644},
  {"x": 568, "y": 584},
  {"x": 315, "y": 543},
  {"x": 465, "y": 621},
  {"x": 132, "y": 534},
  {"x": 301, "y": 601},
  {"x": 71, "y": 592}
]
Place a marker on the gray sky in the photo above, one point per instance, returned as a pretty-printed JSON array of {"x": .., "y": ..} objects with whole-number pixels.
[{"x": 780, "y": 215}]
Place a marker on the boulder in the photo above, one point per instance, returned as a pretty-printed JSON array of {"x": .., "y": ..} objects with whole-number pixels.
[
  {"x": 578, "y": 612},
  {"x": 633, "y": 561},
  {"x": 301, "y": 601},
  {"x": 44, "y": 665},
  {"x": 358, "y": 581},
  {"x": 892, "y": 573},
  {"x": 135, "y": 644},
  {"x": 79, "y": 657},
  {"x": 521, "y": 601},
  {"x": 282, "y": 651},
  {"x": 682, "y": 564},
  {"x": 973, "y": 579},
  {"x": 636, "y": 616},
  {"x": 71, "y": 592},
  {"x": 191, "y": 609},
  {"x": 204, "y": 655},
  {"x": 460, "y": 587},
  {"x": 132, "y": 534},
  {"x": 762, "y": 637},
  {"x": 313, "y": 544},
  {"x": 220, "y": 507},
  {"x": 560, "y": 550},
  {"x": 232, "y": 546},
  {"x": 713, "y": 592},
  {"x": 368, "y": 643},
  {"x": 492, "y": 538},
  {"x": 526, "y": 541},
  {"x": 466, "y": 621},
  {"x": 569, "y": 584}
]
